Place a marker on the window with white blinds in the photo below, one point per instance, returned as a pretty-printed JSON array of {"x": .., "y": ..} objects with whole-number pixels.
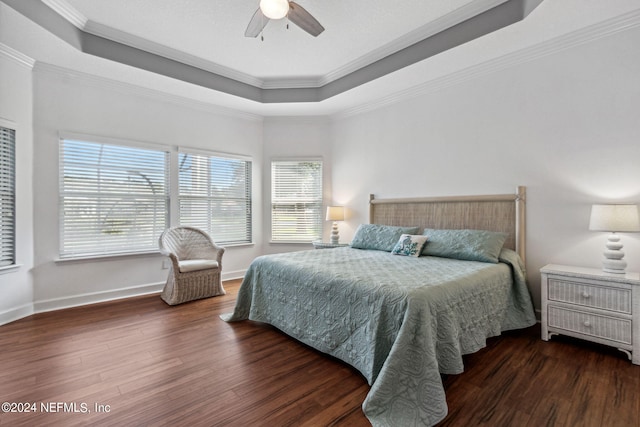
[
  {"x": 296, "y": 201},
  {"x": 113, "y": 199},
  {"x": 215, "y": 196},
  {"x": 7, "y": 196}
]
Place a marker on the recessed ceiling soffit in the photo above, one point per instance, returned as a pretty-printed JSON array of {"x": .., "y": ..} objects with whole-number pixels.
[{"x": 76, "y": 32}]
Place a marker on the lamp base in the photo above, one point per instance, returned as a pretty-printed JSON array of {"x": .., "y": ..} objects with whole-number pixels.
[
  {"x": 613, "y": 254},
  {"x": 335, "y": 235},
  {"x": 616, "y": 266}
]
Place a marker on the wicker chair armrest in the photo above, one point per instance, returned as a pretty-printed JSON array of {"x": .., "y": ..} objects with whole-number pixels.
[
  {"x": 220, "y": 252},
  {"x": 174, "y": 261}
]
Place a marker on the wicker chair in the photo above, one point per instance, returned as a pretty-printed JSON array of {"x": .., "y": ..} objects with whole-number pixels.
[{"x": 196, "y": 264}]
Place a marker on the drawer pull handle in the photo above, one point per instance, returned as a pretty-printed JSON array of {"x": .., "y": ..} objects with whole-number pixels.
[
  {"x": 587, "y": 323},
  {"x": 585, "y": 294}
]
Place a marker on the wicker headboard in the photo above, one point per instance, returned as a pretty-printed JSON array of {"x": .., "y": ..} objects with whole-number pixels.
[{"x": 495, "y": 212}]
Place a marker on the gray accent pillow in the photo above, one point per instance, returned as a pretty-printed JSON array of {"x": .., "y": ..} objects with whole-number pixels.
[
  {"x": 379, "y": 237},
  {"x": 470, "y": 245}
]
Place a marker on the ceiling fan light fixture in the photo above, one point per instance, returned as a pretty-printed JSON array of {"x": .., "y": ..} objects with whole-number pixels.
[{"x": 274, "y": 9}]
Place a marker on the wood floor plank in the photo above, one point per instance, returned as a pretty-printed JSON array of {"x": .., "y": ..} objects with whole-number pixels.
[{"x": 156, "y": 365}]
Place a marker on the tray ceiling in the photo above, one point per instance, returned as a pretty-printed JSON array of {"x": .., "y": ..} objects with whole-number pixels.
[
  {"x": 357, "y": 31},
  {"x": 202, "y": 41}
]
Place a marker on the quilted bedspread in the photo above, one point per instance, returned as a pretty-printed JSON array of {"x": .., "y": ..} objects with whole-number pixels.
[{"x": 401, "y": 321}]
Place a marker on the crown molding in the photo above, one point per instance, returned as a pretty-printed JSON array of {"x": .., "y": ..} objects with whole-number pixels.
[
  {"x": 68, "y": 12},
  {"x": 469, "y": 10},
  {"x": 136, "y": 90},
  {"x": 290, "y": 83},
  {"x": 17, "y": 57},
  {"x": 579, "y": 37},
  {"x": 448, "y": 20},
  {"x": 167, "y": 63},
  {"x": 75, "y": 17},
  {"x": 143, "y": 44}
]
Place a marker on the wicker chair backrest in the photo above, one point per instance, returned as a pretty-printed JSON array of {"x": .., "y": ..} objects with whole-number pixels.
[{"x": 187, "y": 243}]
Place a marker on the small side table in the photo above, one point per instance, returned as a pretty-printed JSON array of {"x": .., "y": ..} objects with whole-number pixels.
[
  {"x": 318, "y": 244},
  {"x": 592, "y": 305}
]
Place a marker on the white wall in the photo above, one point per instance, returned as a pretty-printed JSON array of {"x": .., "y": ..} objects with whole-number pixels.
[
  {"x": 295, "y": 137},
  {"x": 16, "y": 284},
  {"x": 66, "y": 101},
  {"x": 565, "y": 125}
]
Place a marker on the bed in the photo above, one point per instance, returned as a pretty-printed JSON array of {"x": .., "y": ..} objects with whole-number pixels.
[{"x": 402, "y": 321}]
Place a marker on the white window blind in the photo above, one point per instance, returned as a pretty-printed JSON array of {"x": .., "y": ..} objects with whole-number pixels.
[
  {"x": 296, "y": 201},
  {"x": 215, "y": 196},
  {"x": 113, "y": 199},
  {"x": 7, "y": 196}
]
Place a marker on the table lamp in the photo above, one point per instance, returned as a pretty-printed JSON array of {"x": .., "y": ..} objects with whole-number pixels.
[
  {"x": 335, "y": 214},
  {"x": 613, "y": 218}
]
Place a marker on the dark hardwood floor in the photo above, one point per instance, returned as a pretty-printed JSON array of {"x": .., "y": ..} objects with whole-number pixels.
[{"x": 140, "y": 362}]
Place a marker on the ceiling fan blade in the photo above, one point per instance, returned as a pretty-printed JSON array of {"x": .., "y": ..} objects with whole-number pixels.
[
  {"x": 303, "y": 19},
  {"x": 256, "y": 25}
]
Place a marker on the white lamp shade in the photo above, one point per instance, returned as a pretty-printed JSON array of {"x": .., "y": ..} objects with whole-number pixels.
[
  {"x": 614, "y": 218},
  {"x": 274, "y": 9},
  {"x": 335, "y": 213}
]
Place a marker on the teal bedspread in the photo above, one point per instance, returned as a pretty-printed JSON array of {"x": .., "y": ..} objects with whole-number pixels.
[{"x": 401, "y": 321}]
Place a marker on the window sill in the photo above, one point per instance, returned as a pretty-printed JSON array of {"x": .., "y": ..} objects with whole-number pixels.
[
  {"x": 107, "y": 257},
  {"x": 113, "y": 257},
  {"x": 10, "y": 268},
  {"x": 235, "y": 245}
]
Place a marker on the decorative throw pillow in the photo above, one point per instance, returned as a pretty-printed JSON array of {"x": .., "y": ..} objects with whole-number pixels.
[
  {"x": 470, "y": 245},
  {"x": 409, "y": 245},
  {"x": 379, "y": 237}
]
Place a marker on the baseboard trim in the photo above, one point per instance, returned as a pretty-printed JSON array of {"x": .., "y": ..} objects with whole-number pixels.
[
  {"x": 53, "y": 304},
  {"x": 96, "y": 297},
  {"x": 17, "y": 313},
  {"x": 232, "y": 275}
]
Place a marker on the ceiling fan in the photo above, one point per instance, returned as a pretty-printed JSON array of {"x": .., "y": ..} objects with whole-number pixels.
[{"x": 278, "y": 9}]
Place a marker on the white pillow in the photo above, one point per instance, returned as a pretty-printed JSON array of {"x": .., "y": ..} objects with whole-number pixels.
[
  {"x": 409, "y": 245},
  {"x": 196, "y": 264}
]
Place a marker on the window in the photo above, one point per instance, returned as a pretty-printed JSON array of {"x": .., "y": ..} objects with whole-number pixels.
[
  {"x": 296, "y": 201},
  {"x": 7, "y": 196},
  {"x": 113, "y": 199},
  {"x": 215, "y": 196}
]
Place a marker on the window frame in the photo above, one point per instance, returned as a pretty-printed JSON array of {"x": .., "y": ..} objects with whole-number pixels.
[
  {"x": 172, "y": 211},
  {"x": 247, "y": 198},
  {"x": 97, "y": 250},
  {"x": 318, "y": 202}
]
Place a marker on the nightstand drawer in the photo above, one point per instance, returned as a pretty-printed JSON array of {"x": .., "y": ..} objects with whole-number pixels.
[
  {"x": 609, "y": 328},
  {"x": 605, "y": 298}
]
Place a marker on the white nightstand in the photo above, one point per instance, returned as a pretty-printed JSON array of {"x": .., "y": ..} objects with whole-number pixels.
[
  {"x": 593, "y": 305},
  {"x": 327, "y": 245}
]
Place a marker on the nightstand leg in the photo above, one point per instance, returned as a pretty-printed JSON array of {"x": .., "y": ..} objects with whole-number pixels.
[{"x": 627, "y": 352}]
